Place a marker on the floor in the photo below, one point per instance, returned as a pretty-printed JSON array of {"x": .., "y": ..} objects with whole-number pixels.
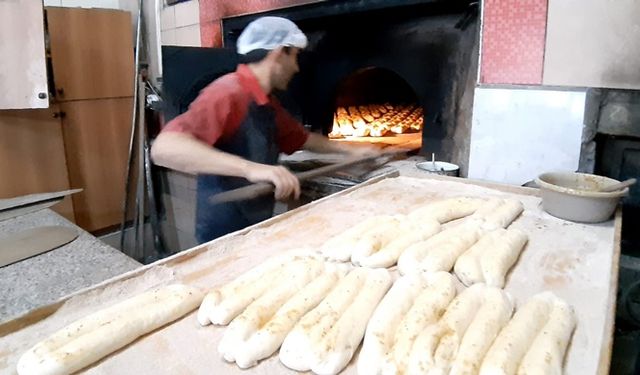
[
  {"x": 626, "y": 346},
  {"x": 625, "y": 352}
]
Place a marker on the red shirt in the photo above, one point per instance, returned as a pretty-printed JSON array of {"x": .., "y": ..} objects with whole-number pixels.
[{"x": 219, "y": 110}]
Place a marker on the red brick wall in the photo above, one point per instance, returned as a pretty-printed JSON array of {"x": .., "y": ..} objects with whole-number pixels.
[
  {"x": 513, "y": 38},
  {"x": 513, "y": 41},
  {"x": 212, "y": 11}
]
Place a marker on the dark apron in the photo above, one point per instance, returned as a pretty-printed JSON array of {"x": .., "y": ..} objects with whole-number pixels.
[{"x": 254, "y": 140}]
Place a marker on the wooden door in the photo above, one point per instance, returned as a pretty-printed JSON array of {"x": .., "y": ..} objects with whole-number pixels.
[
  {"x": 91, "y": 53},
  {"x": 32, "y": 156},
  {"x": 23, "y": 69},
  {"x": 96, "y": 137}
]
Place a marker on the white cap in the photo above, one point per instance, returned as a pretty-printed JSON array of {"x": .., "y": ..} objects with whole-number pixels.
[{"x": 270, "y": 33}]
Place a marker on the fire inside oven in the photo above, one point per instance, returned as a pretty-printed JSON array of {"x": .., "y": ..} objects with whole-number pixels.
[{"x": 376, "y": 105}]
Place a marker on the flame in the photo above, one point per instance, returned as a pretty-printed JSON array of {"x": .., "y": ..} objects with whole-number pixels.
[{"x": 376, "y": 120}]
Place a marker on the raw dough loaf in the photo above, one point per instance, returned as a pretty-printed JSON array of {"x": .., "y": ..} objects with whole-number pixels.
[
  {"x": 531, "y": 330},
  {"x": 440, "y": 252},
  {"x": 497, "y": 213},
  {"x": 91, "y": 338},
  {"x": 259, "y": 331},
  {"x": 375, "y": 239},
  {"x": 458, "y": 342},
  {"x": 546, "y": 354},
  {"x": 294, "y": 276},
  {"x": 435, "y": 347},
  {"x": 446, "y": 210},
  {"x": 504, "y": 215},
  {"x": 487, "y": 208},
  {"x": 388, "y": 254},
  {"x": 489, "y": 260},
  {"x": 413, "y": 302},
  {"x": 488, "y": 321},
  {"x": 223, "y": 304},
  {"x": 340, "y": 247},
  {"x": 325, "y": 339},
  {"x": 380, "y": 244}
]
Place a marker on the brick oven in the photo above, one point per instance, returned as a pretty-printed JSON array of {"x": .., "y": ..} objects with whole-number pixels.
[
  {"x": 396, "y": 72},
  {"x": 416, "y": 58},
  {"x": 378, "y": 71}
]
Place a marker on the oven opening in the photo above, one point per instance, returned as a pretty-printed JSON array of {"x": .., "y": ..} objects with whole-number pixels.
[{"x": 376, "y": 105}]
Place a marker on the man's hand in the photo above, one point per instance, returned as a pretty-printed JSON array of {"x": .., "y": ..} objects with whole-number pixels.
[{"x": 286, "y": 183}]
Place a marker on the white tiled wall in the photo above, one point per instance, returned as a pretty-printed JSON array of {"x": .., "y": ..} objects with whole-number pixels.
[
  {"x": 180, "y": 24},
  {"x": 188, "y": 36},
  {"x": 168, "y": 18},
  {"x": 187, "y": 13},
  {"x": 168, "y": 37},
  {"x": 519, "y": 133},
  {"x": 593, "y": 43}
]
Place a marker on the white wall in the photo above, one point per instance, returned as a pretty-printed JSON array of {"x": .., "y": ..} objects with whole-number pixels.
[
  {"x": 180, "y": 24},
  {"x": 519, "y": 133},
  {"x": 593, "y": 43}
]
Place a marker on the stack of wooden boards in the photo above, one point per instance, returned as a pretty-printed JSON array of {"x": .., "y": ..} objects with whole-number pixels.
[{"x": 317, "y": 306}]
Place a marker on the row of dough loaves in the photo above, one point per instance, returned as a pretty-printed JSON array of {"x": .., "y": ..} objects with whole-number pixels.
[
  {"x": 317, "y": 313},
  {"x": 422, "y": 327},
  {"x": 314, "y": 311},
  {"x": 478, "y": 245}
]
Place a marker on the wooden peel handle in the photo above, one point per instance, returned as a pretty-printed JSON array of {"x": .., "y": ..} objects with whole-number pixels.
[{"x": 264, "y": 188}]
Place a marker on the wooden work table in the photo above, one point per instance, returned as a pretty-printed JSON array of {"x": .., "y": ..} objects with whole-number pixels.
[{"x": 578, "y": 262}]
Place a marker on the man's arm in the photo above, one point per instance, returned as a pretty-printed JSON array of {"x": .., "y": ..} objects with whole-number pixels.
[
  {"x": 183, "y": 152},
  {"x": 321, "y": 144}
]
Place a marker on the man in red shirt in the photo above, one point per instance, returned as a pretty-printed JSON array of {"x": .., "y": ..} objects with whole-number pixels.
[{"x": 233, "y": 132}]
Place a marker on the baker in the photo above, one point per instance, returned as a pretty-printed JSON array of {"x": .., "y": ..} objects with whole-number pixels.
[{"x": 233, "y": 132}]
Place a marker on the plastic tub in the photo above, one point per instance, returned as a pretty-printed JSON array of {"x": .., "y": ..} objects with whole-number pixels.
[{"x": 575, "y": 196}]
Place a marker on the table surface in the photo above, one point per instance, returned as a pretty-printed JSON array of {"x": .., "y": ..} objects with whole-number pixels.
[
  {"x": 47, "y": 277},
  {"x": 573, "y": 260}
]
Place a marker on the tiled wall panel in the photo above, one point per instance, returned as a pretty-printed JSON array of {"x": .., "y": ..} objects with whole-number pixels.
[{"x": 513, "y": 39}]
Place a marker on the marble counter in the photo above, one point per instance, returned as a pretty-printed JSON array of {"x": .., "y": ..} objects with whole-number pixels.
[{"x": 47, "y": 277}]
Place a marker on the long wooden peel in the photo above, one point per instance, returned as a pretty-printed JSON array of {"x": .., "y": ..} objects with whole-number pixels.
[{"x": 264, "y": 188}]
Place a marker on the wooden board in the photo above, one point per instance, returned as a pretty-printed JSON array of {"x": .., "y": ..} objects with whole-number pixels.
[
  {"x": 574, "y": 260},
  {"x": 96, "y": 136},
  {"x": 29, "y": 199},
  {"x": 91, "y": 53},
  {"x": 32, "y": 155}
]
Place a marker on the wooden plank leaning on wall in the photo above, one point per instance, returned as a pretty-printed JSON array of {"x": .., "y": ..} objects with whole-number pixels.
[{"x": 96, "y": 136}]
